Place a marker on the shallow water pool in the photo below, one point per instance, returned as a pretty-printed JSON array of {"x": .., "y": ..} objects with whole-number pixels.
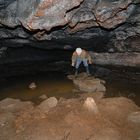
[
  {"x": 51, "y": 84},
  {"x": 56, "y": 84}
]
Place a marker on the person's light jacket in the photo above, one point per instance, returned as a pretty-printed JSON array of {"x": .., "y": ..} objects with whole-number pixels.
[{"x": 83, "y": 55}]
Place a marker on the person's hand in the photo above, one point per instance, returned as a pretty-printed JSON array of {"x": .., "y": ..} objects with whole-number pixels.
[{"x": 72, "y": 64}]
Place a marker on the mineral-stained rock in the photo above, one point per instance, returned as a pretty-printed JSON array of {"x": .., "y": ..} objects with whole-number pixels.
[
  {"x": 51, "y": 14},
  {"x": 110, "y": 14},
  {"x": 46, "y": 14}
]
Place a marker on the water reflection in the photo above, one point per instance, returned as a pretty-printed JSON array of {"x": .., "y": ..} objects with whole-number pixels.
[
  {"x": 52, "y": 84},
  {"x": 57, "y": 84}
]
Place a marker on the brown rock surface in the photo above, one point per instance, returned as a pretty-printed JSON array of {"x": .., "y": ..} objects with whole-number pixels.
[
  {"x": 47, "y": 104},
  {"x": 88, "y": 84},
  {"x": 68, "y": 120}
]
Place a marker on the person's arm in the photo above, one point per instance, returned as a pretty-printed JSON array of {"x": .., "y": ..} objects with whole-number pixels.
[{"x": 73, "y": 59}]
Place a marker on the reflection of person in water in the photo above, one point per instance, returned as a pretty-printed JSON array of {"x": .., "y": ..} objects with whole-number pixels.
[{"x": 81, "y": 56}]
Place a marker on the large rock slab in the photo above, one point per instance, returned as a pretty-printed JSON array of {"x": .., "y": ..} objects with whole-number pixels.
[
  {"x": 88, "y": 84},
  {"x": 14, "y": 105},
  {"x": 131, "y": 59}
]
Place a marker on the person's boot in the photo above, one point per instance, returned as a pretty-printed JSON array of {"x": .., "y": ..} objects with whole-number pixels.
[
  {"x": 76, "y": 72},
  {"x": 87, "y": 71}
]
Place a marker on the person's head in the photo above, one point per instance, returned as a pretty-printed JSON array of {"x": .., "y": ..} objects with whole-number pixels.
[{"x": 78, "y": 51}]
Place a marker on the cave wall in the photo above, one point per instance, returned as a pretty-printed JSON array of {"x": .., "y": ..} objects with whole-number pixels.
[
  {"x": 118, "y": 22},
  {"x": 110, "y": 26}
]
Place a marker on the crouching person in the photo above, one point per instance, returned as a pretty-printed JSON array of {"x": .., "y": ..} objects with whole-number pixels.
[{"x": 81, "y": 56}]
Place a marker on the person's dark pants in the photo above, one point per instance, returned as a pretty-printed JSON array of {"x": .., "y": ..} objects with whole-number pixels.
[{"x": 78, "y": 62}]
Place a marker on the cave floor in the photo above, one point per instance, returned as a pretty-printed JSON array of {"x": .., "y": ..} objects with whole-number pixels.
[{"x": 117, "y": 119}]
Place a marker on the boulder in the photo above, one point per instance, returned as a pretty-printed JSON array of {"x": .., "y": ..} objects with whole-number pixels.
[
  {"x": 49, "y": 103},
  {"x": 32, "y": 86},
  {"x": 43, "y": 97}
]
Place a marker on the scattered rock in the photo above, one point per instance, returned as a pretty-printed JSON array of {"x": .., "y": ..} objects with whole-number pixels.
[
  {"x": 134, "y": 117},
  {"x": 90, "y": 105},
  {"x": 43, "y": 97},
  {"x": 32, "y": 86},
  {"x": 49, "y": 103}
]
